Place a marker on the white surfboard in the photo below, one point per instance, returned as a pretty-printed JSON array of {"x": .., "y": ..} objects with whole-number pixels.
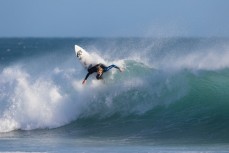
[{"x": 84, "y": 57}]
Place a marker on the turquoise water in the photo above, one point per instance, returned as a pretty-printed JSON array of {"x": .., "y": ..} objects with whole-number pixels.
[{"x": 172, "y": 96}]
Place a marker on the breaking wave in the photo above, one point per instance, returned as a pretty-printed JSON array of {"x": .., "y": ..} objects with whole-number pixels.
[{"x": 167, "y": 88}]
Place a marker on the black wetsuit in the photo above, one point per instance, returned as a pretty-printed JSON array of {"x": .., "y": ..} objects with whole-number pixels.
[{"x": 95, "y": 69}]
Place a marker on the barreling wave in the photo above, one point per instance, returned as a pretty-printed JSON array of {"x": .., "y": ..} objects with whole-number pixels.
[{"x": 177, "y": 94}]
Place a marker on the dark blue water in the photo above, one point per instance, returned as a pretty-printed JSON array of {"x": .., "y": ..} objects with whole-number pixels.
[{"x": 172, "y": 96}]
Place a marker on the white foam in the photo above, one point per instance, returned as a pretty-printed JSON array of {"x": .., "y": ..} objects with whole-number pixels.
[
  {"x": 30, "y": 104},
  {"x": 43, "y": 101}
]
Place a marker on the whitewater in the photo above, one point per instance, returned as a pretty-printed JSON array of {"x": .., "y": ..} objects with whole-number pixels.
[{"x": 172, "y": 96}]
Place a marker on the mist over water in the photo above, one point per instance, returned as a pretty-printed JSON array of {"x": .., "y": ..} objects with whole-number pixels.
[{"x": 170, "y": 88}]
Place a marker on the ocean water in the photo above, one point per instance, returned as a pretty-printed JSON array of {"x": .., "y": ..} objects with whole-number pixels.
[{"x": 172, "y": 97}]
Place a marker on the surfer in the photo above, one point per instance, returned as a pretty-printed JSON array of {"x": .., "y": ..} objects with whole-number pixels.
[{"x": 99, "y": 69}]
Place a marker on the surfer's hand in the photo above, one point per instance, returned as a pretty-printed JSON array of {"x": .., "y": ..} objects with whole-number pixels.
[
  {"x": 121, "y": 70},
  {"x": 84, "y": 81}
]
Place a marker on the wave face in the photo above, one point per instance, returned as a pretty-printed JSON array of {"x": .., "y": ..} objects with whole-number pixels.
[{"x": 171, "y": 88}]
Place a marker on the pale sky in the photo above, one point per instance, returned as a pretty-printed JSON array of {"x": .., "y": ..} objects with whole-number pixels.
[{"x": 114, "y": 18}]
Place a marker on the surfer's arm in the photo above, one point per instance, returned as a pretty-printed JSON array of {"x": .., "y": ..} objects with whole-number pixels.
[
  {"x": 111, "y": 66},
  {"x": 121, "y": 70},
  {"x": 117, "y": 67},
  {"x": 87, "y": 76},
  {"x": 84, "y": 81}
]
